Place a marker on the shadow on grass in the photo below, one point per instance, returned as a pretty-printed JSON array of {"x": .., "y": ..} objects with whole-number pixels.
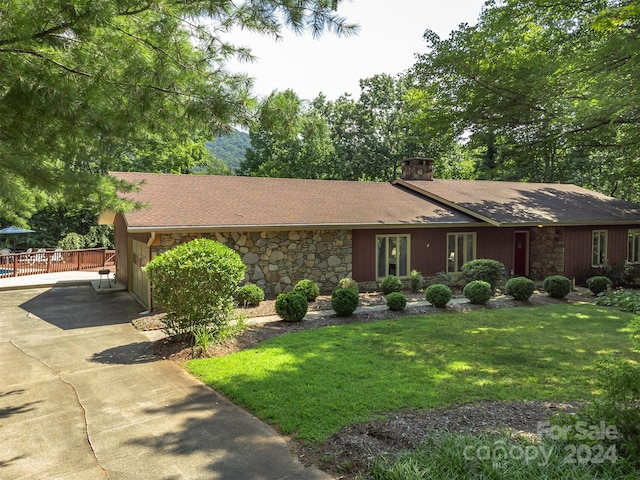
[{"x": 315, "y": 382}]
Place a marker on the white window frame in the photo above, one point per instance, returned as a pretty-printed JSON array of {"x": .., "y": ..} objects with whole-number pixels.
[
  {"x": 390, "y": 255},
  {"x": 599, "y": 245},
  {"x": 453, "y": 255},
  {"x": 633, "y": 245}
]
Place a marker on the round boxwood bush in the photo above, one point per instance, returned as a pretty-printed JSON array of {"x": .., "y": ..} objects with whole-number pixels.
[
  {"x": 478, "y": 292},
  {"x": 396, "y": 301},
  {"x": 557, "y": 286},
  {"x": 349, "y": 283},
  {"x": 391, "y": 284},
  {"x": 308, "y": 288},
  {"x": 520, "y": 288},
  {"x": 438, "y": 295},
  {"x": 249, "y": 295},
  {"x": 598, "y": 284},
  {"x": 344, "y": 301},
  {"x": 291, "y": 306}
]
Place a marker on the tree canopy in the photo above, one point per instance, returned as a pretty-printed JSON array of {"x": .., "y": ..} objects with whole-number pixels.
[
  {"x": 288, "y": 140},
  {"x": 544, "y": 91},
  {"x": 86, "y": 82}
]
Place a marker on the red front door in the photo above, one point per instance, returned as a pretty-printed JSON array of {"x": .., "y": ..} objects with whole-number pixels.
[{"x": 521, "y": 254}]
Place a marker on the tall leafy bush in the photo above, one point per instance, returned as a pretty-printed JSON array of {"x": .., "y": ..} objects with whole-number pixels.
[
  {"x": 416, "y": 281},
  {"x": 485, "y": 269},
  {"x": 195, "y": 283}
]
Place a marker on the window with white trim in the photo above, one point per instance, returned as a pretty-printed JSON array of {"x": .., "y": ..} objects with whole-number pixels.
[
  {"x": 392, "y": 255},
  {"x": 633, "y": 246},
  {"x": 599, "y": 247},
  {"x": 461, "y": 247}
]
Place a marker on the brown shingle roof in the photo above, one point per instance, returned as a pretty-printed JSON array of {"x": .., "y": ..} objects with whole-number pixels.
[
  {"x": 519, "y": 203},
  {"x": 202, "y": 201}
]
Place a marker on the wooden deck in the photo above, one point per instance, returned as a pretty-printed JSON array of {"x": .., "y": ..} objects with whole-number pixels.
[{"x": 53, "y": 261}]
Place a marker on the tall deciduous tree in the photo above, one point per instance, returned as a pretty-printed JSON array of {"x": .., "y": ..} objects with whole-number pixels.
[
  {"x": 288, "y": 140},
  {"x": 386, "y": 124},
  {"x": 81, "y": 81},
  {"x": 548, "y": 91}
]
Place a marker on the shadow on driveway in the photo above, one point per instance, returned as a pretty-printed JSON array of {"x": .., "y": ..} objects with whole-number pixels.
[
  {"x": 232, "y": 446},
  {"x": 131, "y": 354},
  {"x": 70, "y": 308}
]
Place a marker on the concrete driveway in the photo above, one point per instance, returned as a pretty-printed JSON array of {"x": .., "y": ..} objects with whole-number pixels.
[{"x": 80, "y": 398}]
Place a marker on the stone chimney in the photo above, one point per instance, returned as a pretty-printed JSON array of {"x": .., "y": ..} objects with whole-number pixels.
[{"x": 417, "y": 169}]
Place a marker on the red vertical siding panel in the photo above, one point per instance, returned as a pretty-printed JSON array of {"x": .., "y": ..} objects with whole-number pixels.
[
  {"x": 577, "y": 252},
  {"x": 578, "y": 248},
  {"x": 429, "y": 248},
  {"x": 364, "y": 256}
]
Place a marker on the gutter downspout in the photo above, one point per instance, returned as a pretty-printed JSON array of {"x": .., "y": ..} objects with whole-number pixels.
[{"x": 152, "y": 237}]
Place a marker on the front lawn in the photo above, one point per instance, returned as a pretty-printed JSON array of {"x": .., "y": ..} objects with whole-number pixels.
[{"x": 311, "y": 384}]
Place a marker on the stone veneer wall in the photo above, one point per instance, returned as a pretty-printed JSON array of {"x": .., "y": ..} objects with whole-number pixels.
[
  {"x": 546, "y": 252},
  {"x": 276, "y": 261}
]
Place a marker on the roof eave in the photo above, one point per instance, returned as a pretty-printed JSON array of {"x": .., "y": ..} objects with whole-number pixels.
[{"x": 323, "y": 226}]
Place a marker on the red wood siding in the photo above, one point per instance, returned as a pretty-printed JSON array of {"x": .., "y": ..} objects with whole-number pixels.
[
  {"x": 578, "y": 248},
  {"x": 429, "y": 248}
]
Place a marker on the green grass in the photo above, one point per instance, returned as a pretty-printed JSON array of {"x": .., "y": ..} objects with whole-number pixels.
[{"x": 314, "y": 382}]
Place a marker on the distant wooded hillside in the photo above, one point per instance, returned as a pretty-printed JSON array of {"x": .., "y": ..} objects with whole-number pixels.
[{"x": 230, "y": 149}]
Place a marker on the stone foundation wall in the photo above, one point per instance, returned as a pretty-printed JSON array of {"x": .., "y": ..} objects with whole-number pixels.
[
  {"x": 546, "y": 253},
  {"x": 276, "y": 261}
]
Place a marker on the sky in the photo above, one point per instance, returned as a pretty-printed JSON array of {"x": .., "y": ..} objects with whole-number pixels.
[{"x": 390, "y": 36}]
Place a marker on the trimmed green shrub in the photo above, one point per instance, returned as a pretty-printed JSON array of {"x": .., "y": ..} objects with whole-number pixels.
[
  {"x": 487, "y": 270},
  {"x": 557, "y": 286},
  {"x": 249, "y": 295},
  {"x": 195, "y": 283},
  {"x": 344, "y": 301},
  {"x": 349, "y": 283},
  {"x": 416, "y": 281},
  {"x": 520, "y": 288},
  {"x": 396, "y": 301},
  {"x": 478, "y": 292},
  {"x": 599, "y": 284},
  {"x": 308, "y": 288},
  {"x": 438, "y": 295},
  {"x": 391, "y": 284},
  {"x": 291, "y": 306}
]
